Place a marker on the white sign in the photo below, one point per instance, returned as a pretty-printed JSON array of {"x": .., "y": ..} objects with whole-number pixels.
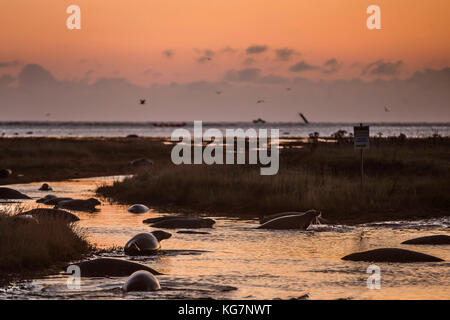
[{"x": 361, "y": 137}]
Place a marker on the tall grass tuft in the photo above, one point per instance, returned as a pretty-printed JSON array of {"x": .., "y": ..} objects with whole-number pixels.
[{"x": 28, "y": 246}]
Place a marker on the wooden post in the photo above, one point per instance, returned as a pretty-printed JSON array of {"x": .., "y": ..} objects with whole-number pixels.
[{"x": 362, "y": 167}]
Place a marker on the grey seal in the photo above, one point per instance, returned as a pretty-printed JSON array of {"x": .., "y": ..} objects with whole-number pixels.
[
  {"x": 144, "y": 244},
  {"x": 185, "y": 223},
  {"x": 435, "y": 239},
  {"x": 138, "y": 208},
  {"x": 11, "y": 194},
  {"x": 141, "y": 281},
  {"x": 300, "y": 221},
  {"x": 391, "y": 255}
]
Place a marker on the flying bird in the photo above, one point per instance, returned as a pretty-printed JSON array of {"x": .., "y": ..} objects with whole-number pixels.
[
  {"x": 260, "y": 101},
  {"x": 386, "y": 109},
  {"x": 142, "y": 101},
  {"x": 288, "y": 89},
  {"x": 219, "y": 92}
]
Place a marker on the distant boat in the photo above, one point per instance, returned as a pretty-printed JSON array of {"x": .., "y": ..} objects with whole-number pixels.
[
  {"x": 259, "y": 120},
  {"x": 304, "y": 118}
]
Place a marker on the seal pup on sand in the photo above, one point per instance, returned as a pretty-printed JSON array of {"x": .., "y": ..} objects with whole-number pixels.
[{"x": 299, "y": 221}]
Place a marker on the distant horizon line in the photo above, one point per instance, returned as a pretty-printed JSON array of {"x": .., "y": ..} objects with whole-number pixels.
[{"x": 9, "y": 122}]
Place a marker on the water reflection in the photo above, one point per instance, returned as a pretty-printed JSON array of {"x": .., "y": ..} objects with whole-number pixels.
[{"x": 235, "y": 261}]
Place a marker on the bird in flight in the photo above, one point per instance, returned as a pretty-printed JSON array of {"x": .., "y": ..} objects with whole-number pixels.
[
  {"x": 260, "y": 101},
  {"x": 386, "y": 109},
  {"x": 288, "y": 89},
  {"x": 142, "y": 101},
  {"x": 219, "y": 92}
]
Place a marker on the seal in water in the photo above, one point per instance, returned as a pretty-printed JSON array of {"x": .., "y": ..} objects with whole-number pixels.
[
  {"x": 435, "y": 239},
  {"x": 138, "y": 208},
  {"x": 187, "y": 223},
  {"x": 8, "y": 193},
  {"x": 79, "y": 205},
  {"x": 51, "y": 213},
  {"x": 45, "y": 187},
  {"x": 46, "y": 198},
  {"x": 300, "y": 221},
  {"x": 144, "y": 244},
  {"x": 264, "y": 219},
  {"x": 108, "y": 267},
  {"x": 141, "y": 162},
  {"x": 391, "y": 255},
  {"x": 141, "y": 281},
  {"x": 5, "y": 173},
  {"x": 55, "y": 201},
  {"x": 163, "y": 218}
]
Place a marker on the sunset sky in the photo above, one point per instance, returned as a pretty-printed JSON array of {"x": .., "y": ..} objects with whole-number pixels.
[{"x": 236, "y": 41}]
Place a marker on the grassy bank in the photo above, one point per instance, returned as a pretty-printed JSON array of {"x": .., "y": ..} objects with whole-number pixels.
[
  {"x": 51, "y": 159},
  {"x": 404, "y": 179},
  {"x": 27, "y": 247}
]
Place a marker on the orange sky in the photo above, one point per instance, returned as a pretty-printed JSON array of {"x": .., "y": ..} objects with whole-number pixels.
[{"x": 124, "y": 38}]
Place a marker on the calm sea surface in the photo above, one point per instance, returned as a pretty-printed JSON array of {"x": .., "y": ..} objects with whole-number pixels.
[
  {"x": 237, "y": 261},
  {"x": 118, "y": 129}
]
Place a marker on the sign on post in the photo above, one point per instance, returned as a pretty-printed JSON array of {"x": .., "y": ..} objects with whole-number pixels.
[
  {"x": 361, "y": 137},
  {"x": 362, "y": 141}
]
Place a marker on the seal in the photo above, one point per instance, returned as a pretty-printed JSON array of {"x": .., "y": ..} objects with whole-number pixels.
[
  {"x": 299, "y": 221},
  {"x": 142, "y": 162},
  {"x": 163, "y": 218},
  {"x": 79, "y": 205},
  {"x": 391, "y": 255},
  {"x": 264, "y": 219},
  {"x": 51, "y": 213},
  {"x": 141, "y": 281},
  {"x": 186, "y": 223},
  {"x": 144, "y": 244},
  {"x": 138, "y": 208},
  {"x": 46, "y": 198},
  {"x": 11, "y": 194},
  {"x": 435, "y": 239},
  {"x": 55, "y": 201},
  {"x": 45, "y": 187},
  {"x": 109, "y": 267},
  {"x": 5, "y": 173}
]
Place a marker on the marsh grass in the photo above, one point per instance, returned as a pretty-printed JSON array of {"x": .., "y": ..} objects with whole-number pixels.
[
  {"x": 31, "y": 247},
  {"x": 402, "y": 180}
]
